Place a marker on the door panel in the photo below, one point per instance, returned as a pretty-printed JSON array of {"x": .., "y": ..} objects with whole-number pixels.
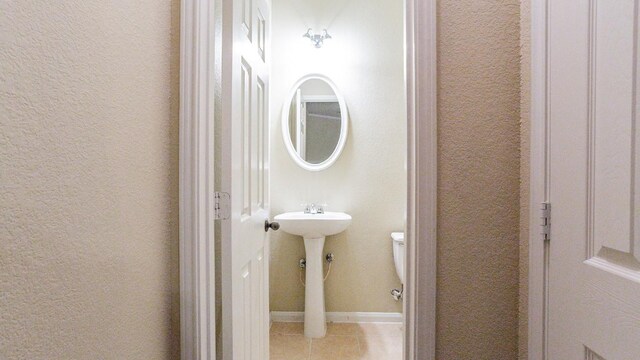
[
  {"x": 594, "y": 272},
  {"x": 590, "y": 355},
  {"x": 612, "y": 89},
  {"x": 246, "y": 116},
  {"x": 245, "y": 295},
  {"x": 261, "y": 149}
]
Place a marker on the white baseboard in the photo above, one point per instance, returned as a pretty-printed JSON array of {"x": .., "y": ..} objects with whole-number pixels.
[{"x": 340, "y": 317}]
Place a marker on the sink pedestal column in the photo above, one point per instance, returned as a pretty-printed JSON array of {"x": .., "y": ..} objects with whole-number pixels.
[{"x": 315, "y": 324}]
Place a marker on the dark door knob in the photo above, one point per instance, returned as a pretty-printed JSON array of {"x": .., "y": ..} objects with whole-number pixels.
[{"x": 271, "y": 225}]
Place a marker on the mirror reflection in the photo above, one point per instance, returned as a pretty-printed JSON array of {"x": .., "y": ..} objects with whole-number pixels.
[{"x": 315, "y": 121}]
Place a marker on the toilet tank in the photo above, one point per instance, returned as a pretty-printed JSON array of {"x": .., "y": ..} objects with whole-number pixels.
[{"x": 398, "y": 253}]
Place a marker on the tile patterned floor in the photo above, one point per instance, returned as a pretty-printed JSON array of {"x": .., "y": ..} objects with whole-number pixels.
[{"x": 343, "y": 342}]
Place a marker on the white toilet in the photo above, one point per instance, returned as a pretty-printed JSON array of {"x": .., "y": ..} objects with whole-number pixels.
[{"x": 398, "y": 258}]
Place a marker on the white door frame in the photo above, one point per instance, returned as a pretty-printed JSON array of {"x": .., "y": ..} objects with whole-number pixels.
[
  {"x": 538, "y": 249},
  {"x": 197, "y": 266},
  {"x": 197, "y": 277},
  {"x": 420, "y": 288}
]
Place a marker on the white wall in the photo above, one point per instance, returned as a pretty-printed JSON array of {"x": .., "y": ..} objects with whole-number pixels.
[{"x": 365, "y": 59}]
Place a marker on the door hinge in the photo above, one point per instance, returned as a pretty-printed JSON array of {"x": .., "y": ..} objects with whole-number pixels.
[
  {"x": 222, "y": 205},
  {"x": 545, "y": 210}
]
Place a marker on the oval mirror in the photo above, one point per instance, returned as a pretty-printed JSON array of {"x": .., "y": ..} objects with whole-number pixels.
[{"x": 314, "y": 123}]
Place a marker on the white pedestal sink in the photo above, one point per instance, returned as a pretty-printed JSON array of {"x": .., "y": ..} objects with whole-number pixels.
[{"x": 314, "y": 228}]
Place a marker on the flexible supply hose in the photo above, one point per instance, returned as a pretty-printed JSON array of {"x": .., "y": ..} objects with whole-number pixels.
[
  {"x": 328, "y": 272},
  {"x": 325, "y": 277}
]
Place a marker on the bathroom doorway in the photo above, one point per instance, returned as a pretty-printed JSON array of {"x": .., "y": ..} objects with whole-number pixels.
[
  {"x": 330, "y": 117},
  {"x": 330, "y": 75},
  {"x": 338, "y": 150}
]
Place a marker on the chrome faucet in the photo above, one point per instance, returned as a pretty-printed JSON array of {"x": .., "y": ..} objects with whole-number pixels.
[{"x": 313, "y": 209}]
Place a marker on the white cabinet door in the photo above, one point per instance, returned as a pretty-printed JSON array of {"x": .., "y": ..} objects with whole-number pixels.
[
  {"x": 593, "y": 180},
  {"x": 245, "y": 252}
]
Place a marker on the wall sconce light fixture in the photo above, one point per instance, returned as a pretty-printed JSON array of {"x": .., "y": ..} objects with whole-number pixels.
[{"x": 317, "y": 39}]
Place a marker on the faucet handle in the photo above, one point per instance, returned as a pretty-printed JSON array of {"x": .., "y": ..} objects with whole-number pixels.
[{"x": 306, "y": 207}]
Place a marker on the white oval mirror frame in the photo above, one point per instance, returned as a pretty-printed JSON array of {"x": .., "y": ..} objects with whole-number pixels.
[{"x": 344, "y": 126}]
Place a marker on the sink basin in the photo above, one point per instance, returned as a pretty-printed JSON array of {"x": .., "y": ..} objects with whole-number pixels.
[
  {"x": 314, "y": 228},
  {"x": 311, "y": 226}
]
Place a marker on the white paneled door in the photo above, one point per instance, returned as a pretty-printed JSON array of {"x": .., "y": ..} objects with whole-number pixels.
[
  {"x": 246, "y": 284},
  {"x": 593, "y": 159}
]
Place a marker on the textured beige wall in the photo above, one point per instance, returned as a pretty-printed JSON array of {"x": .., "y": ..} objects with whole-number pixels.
[
  {"x": 525, "y": 136},
  {"x": 88, "y": 179},
  {"x": 478, "y": 206},
  {"x": 365, "y": 60}
]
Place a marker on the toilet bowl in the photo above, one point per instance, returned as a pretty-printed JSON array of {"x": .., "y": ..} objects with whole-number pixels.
[{"x": 398, "y": 253}]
